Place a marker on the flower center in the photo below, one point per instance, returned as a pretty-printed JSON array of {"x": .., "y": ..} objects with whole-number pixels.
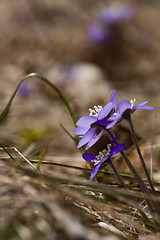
[
  {"x": 95, "y": 111},
  {"x": 102, "y": 154},
  {"x": 132, "y": 103}
]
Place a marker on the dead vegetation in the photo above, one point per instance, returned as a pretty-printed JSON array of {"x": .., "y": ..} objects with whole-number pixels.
[{"x": 58, "y": 202}]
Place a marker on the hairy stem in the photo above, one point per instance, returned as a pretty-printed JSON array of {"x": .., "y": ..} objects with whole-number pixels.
[
  {"x": 131, "y": 167},
  {"x": 152, "y": 205},
  {"x": 140, "y": 154},
  {"x": 117, "y": 174}
]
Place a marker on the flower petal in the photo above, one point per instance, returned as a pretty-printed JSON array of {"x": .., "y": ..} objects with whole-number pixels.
[
  {"x": 86, "y": 121},
  {"x": 123, "y": 106},
  {"x": 112, "y": 123},
  {"x": 143, "y": 107},
  {"x": 103, "y": 122},
  {"x": 88, "y": 157},
  {"x": 87, "y": 137},
  {"x": 105, "y": 111},
  {"x": 95, "y": 170},
  {"x": 141, "y": 104},
  {"x": 118, "y": 148},
  {"x": 80, "y": 131},
  {"x": 93, "y": 140},
  {"x": 114, "y": 99},
  {"x": 114, "y": 140}
]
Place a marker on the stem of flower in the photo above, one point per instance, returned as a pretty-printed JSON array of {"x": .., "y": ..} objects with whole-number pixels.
[
  {"x": 139, "y": 180},
  {"x": 117, "y": 174},
  {"x": 131, "y": 167},
  {"x": 140, "y": 154}
]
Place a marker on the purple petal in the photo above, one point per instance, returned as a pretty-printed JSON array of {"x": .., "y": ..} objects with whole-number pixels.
[
  {"x": 142, "y": 103},
  {"x": 112, "y": 123},
  {"x": 114, "y": 140},
  {"x": 103, "y": 122},
  {"x": 88, "y": 157},
  {"x": 143, "y": 107},
  {"x": 87, "y": 137},
  {"x": 105, "y": 111},
  {"x": 86, "y": 121},
  {"x": 95, "y": 170},
  {"x": 114, "y": 99},
  {"x": 80, "y": 131},
  {"x": 118, "y": 148},
  {"x": 123, "y": 106},
  {"x": 94, "y": 140}
]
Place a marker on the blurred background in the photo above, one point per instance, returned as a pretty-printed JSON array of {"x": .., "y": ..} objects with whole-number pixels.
[{"x": 86, "y": 48}]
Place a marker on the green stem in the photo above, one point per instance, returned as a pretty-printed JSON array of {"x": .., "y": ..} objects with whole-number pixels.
[{"x": 6, "y": 110}]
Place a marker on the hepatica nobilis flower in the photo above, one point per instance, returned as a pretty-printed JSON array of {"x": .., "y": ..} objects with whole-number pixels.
[
  {"x": 88, "y": 127},
  {"x": 125, "y": 108},
  {"x": 103, "y": 156}
]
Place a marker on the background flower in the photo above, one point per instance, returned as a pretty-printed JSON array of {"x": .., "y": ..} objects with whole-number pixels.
[
  {"x": 98, "y": 33},
  {"x": 114, "y": 14},
  {"x": 24, "y": 90},
  {"x": 101, "y": 31}
]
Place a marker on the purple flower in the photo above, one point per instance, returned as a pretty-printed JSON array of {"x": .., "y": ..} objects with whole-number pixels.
[
  {"x": 98, "y": 33},
  {"x": 113, "y": 14},
  {"x": 125, "y": 108},
  {"x": 103, "y": 155},
  {"x": 88, "y": 127}
]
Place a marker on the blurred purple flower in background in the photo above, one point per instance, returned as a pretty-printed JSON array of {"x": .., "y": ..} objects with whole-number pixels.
[
  {"x": 24, "y": 89},
  {"x": 101, "y": 31},
  {"x": 69, "y": 75},
  {"x": 114, "y": 14},
  {"x": 103, "y": 155},
  {"x": 98, "y": 33}
]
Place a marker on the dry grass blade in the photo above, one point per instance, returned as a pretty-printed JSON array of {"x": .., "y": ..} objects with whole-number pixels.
[{"x": 19, "y": 153}]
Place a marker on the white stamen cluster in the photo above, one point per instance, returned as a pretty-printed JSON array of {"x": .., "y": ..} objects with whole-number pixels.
[
  {"x": 102, "y": 154},
  {"x": 132, "y": 103},
  {"x": 95, "y": 111}
]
